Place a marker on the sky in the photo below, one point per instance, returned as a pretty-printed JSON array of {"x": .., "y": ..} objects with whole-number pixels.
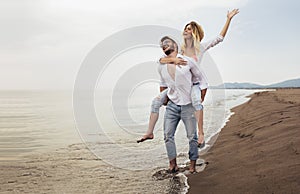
[{"x": 43, "y": 42}]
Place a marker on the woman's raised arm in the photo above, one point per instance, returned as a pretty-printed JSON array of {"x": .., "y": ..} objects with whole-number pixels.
[{"x": 229, "y": 17}]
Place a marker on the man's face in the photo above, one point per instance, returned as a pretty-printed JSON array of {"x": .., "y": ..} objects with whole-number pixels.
[{"x": 168, "y": 46}]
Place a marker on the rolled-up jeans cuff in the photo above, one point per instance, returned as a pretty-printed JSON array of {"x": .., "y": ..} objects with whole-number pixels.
[
  {"x": 155, "y": 106},
  {"x": 158, "y": 101},
  {"x": 198, "y": 106},
  {"x": 194, "y": 157}
]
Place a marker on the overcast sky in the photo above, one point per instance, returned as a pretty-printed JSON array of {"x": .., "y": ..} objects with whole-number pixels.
[{"x": 43, "y": 42}]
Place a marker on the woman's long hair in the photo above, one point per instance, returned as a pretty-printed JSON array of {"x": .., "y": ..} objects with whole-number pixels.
[{"x": 197, "y": 34}]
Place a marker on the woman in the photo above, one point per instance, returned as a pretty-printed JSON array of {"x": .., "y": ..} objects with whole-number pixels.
[{"x": 192, "y": 47}]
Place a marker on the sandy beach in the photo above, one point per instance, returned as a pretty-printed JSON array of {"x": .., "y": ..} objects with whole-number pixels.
[
  {"x": 258, "y": 151},
  {"x": 74, "y": 170}
]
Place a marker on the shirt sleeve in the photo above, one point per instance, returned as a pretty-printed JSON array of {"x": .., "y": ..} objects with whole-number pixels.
[
  {"x": 158, "y": 61},
  {"x": 212, "y": 43},
  {"x": 198, "y": 75},
  {"x": 162, "y": 80}
]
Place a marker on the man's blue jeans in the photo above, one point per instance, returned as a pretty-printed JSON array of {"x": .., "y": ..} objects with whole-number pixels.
[{"x": 172, "y": 117}]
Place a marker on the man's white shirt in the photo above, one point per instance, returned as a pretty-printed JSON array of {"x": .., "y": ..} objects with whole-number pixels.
[{"x": 180, "y": 88}]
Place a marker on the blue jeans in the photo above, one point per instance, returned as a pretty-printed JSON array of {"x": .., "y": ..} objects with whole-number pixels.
[
  {"x": 196, "y": 97},
  {"x": 172, "y": 117},
  {"x": 159, "y": 101},
  {"x": 161, "y": 98}
]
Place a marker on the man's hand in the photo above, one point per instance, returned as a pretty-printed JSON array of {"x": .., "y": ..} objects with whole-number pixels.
[{"x": 166, "y": 101}]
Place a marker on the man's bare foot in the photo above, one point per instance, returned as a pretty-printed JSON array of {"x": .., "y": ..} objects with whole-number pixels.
[
  {"x": 145, "y": 137},
  {"x": 193, "y": 167},
  {"x": 173, "y": 168}
]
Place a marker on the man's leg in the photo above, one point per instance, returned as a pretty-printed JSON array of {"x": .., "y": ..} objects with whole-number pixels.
[
  {"x": 190, "y": 122},
  {"x": 171, "y": 120}
]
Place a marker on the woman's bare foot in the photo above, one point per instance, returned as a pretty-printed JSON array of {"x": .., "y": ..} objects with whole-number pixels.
[
  {"x": 201, "y": 141},
  {"x": 200, "y": 138},
  {"x": 146, "y": 137},
  {"x": 193, "y": 167}
]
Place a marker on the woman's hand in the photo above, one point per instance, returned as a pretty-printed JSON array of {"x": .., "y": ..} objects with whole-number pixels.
[
  {"x": 179, "y": 61},
  {"x": 232, "y": 13},
  {"x": 172, "y": 60}
]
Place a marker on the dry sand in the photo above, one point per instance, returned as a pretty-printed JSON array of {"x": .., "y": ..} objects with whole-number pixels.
[{"x": 258, "y": 151}]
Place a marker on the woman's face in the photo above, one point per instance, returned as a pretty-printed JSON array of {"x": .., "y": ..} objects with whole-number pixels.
[{"x": 187, "y": 33}]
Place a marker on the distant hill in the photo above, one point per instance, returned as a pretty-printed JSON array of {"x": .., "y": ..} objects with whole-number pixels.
[{"x": 293, "y": 83}]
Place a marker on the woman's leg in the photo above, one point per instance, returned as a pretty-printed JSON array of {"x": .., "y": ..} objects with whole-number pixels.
[
  {"x": 196, "y": 101},
  {"x": 199, "y": 117},
  {"x": 155, "y": 106}
]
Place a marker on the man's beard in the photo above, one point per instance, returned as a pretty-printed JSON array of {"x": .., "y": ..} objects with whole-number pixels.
[{"x": 167, "y": 52}]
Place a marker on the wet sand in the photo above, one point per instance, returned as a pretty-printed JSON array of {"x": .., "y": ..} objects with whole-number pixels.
[
  {"x": 75, "y": 169},
  {"x": 258, "y": 151}
]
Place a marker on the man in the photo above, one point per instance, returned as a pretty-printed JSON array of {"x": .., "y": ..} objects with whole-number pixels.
[{"x": 179, "y": 81}]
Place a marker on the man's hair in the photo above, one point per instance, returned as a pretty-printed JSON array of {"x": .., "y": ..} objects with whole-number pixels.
[{"x": 168, "y": 38}]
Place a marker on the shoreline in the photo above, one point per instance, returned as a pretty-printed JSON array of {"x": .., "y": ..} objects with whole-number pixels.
[
  {"x": 64, "y": 167},
  {"x": 75, "y": 169},
  {"x": 211, "y": 139},
  {"x": 247, "y": 157}
]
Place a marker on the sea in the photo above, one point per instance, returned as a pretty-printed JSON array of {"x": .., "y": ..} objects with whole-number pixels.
[{"x": 34, "y": 122}]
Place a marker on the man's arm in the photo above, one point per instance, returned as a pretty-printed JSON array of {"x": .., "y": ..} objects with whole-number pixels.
[
  {"x": 163, "y": 85},
  {"x": 167, "y": 98},
  {"x": 203, "y": 93},
  {"x": 198, "y": 75},
  {"x": 162, "y": 88}
]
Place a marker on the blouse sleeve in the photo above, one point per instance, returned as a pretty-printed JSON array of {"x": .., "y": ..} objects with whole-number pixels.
[{"x": 212, "y": 43}]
